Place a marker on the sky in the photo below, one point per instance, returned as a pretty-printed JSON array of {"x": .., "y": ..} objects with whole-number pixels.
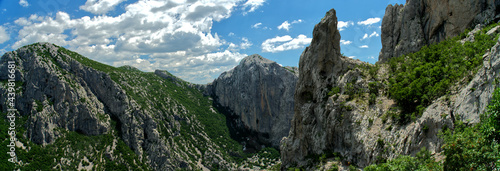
[{"x": 195, "y": 40}]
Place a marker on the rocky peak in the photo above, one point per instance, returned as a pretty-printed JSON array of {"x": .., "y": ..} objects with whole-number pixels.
[
  {"x": 321, "y": 67},
  {"x": 257, "y": 95},
  {"x": 407, "y": 28},
  {"x": 255, "y": 59}
]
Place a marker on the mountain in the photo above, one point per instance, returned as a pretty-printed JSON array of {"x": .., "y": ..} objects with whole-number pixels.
[
  {"x": 361, "y": 114},
  {"x": 257, "y": 96},
  {"x": 407, "y": 28},
  {"x": 75, "y": 113}
]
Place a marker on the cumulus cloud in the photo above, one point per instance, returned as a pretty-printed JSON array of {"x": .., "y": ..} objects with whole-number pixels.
[
  {"x": 284, "y": 43},
  {"x": 176, "y": 36},
  {"x": 345, "y": 42},
  {"x": 369, "y": 21},
  {"x": 252, "y": 5},
  {"x": 100, "y": 6},
  {"x": 342, "y": 25},
  {"x": 24, "y": 3},
  {"x": 286, "y": 25},
  {"x": 4, "y": 36},
  {"x": 366, "y": 36},
  {"x": 363, "y": 46}
]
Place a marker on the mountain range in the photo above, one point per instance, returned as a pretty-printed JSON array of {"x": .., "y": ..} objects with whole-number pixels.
[{"x": 438, "y": 69}]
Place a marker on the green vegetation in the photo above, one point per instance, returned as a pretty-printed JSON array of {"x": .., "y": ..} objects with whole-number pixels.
[
  {"x": 466, "y": 148},
  {"x": 334, "y": 167},
  {"x": 476, "y": 147},
  {"x": 422, "y": 161},
  {"x": 333, "y": 91},
  {"x": 39, "y": 105},
  {"x": 419, "y": 78},
  {"x": 71, "y": 148}
]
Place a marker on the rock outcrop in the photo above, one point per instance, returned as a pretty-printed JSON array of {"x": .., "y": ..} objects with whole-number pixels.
[
  {"x": 407, "y": 28},
  {"x": 258, "y": 97},
  {"x": 330, "y": 118}
]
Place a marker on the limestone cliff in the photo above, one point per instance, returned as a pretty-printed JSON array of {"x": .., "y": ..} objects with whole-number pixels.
[
  {"x": 258, "y": 97},
  {"x": 60, "y": 91},
  {"x": 333, "y": 113},
  {"x": 407, "y": 28}
]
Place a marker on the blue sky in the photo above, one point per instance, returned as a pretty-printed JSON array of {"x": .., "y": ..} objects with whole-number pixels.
[{"x": 193, "y": 39}]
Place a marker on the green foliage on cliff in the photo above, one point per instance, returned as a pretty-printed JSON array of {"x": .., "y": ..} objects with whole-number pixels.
[
  {"x": 475, "y": 147},
  {"x": 422, "y": 161},
  {"x": 466, "y": 147},
  {"x": 419, "y": 78}
]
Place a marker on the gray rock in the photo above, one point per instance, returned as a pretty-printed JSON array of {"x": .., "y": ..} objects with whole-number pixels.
[
  {"x": 259, "y": 95},
  {"x": 406, "y": 29},
  {"x": 321, "y": 67},
  {"x": 53, "y": 97}
]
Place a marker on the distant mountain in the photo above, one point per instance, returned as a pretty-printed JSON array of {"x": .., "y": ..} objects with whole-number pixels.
[{"x": 257, "y": 96}]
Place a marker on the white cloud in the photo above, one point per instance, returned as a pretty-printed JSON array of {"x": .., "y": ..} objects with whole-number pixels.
[
  {"x": 284, "y": 43},
  {"x": 342, "y": 25},
  {"x": 100, "y": 6},
  {"x": 4, "y": 36},
  {"x": 176, "y": 36},
  {"x": 24, "y": 3},
  {"x": 252, "y": 5},
  {"x": 296, "y": 21},
  {"x": 366, "y": 36},
  {"x": 369, "y": 21},
  {"x": 245, "y": 44},
  {"x": 363, "y": 46},
  {"x": 345, "y": 42},
  {"x": 352, "y": 57},
  {"x": 256, "y": 25},
  {"x": 286, "y": 25}
]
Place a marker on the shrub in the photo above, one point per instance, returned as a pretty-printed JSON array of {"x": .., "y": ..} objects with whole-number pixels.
[
  {"x": 333, "y": 91},
  {"x": 421, "y": 77},
  {"x": 422, "y": 161}
]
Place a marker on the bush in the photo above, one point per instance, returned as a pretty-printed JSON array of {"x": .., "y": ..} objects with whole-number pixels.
[
  {"x": 422, "y": 161},
  {"x": 333, "y": 91},
  {"x": 419, "y": 78}
]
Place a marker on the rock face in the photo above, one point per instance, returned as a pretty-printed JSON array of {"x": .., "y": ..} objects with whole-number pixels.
[
  {"x": 405, "y": 29},
  {"x": 321, "y": 64},
  {"x": 258, "y": 96},
  {"x": 328, "y": 121},
  {"x": 58, "y": 93}
]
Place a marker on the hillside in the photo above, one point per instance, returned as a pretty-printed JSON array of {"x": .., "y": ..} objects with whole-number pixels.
[{"x": 78, "y": 113}]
